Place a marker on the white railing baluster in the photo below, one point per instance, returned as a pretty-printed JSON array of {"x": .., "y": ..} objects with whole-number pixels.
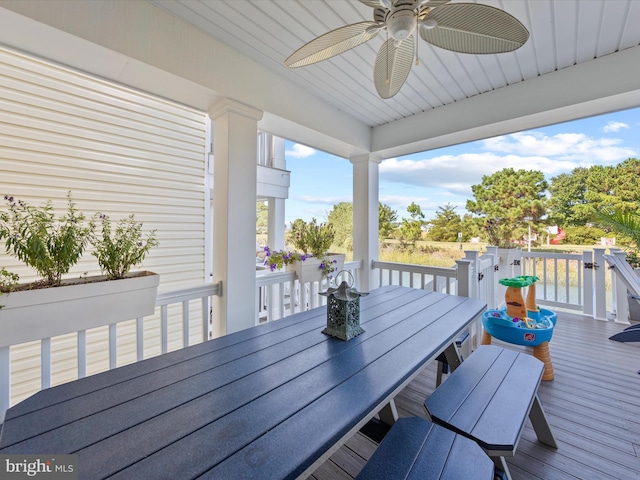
[
  {"x": 258, "y": 304},
  {"x": 206, "y": 325},
  {"x": 164, "y": 326},
  {"x": 139, "y": 338},
  {"x": 45, "y": 363},
  {"x": 5, "y": 381},
  {"x": 185, "y": 323},
  {"x": 567, "y": 282},
  {"x": 113, "y": 346},
  {"x": 544, "y": 276},
  {"x": 600, "y": 308},
  {"x": 281, "y": 304},
  {"x": 587, "y": 262},
  {"x": 82, "y": 353}
]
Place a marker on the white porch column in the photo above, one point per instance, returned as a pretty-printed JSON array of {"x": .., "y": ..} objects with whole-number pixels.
[
  {"x": 235, "y": 130},
  {"x": 365, "y": 216},
  {"x": 276, "y": 205}
]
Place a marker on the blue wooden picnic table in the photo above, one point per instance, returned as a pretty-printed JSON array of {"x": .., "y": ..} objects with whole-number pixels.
[{"x": 273, "y": 401}]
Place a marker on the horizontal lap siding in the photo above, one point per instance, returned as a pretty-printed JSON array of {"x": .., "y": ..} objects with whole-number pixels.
[{"x": 119, "y": 151}]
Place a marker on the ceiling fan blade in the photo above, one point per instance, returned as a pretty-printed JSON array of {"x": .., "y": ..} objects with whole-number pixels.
[
  {"x": 331, "y": 44},
  {"x": 432, "y": 3},
  {"x": 474, "y": 28},
  {"x": 392, "y": 66},
  {"x": 373, "y": 3}
]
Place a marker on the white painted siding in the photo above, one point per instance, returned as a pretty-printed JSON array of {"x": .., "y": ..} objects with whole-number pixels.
[{"x": 119, "y": 151}]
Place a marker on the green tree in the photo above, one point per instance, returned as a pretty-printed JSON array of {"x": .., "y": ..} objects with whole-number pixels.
[
  {"x": 341, "y": 217},
  {"x": 578, "y": 196},
  {"x": 626, "y": 188},
  {"x": 262, "y": 218},
  {"x": 410, "y": 230},
  {"x": 446, "y": 225},
  {"x": 505, "y": 199},
  {"x": 387, "y": 219},
  {"x": 567, "y": 196}
]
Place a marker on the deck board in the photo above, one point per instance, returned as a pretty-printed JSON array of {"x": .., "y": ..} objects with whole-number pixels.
[{"x": 593, "y": 406}]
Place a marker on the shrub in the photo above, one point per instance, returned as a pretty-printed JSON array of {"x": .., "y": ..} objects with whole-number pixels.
[
  {"x": 312, "y": 237},
  {"x": 121, "y": 249},
  {"x": 51, "y": 246},
  {"x": 584, "y": 235}
]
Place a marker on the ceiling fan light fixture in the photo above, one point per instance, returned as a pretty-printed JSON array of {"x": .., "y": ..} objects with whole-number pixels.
[{"x": 401, "y": 24}]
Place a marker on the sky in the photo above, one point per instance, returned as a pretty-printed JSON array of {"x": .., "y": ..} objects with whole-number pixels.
[{"x": 435, "y": 178}]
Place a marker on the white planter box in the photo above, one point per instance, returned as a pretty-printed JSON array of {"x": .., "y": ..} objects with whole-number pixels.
[
  {"x": 309, "y": 270},
  {"x": 35, "y": 314}
]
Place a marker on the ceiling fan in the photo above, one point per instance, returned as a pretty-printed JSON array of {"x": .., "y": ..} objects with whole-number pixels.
[{"x": 460, "y": 27}]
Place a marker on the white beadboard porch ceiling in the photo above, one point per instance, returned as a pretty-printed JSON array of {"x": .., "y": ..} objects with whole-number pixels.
[{"x": 564, "y": 33}]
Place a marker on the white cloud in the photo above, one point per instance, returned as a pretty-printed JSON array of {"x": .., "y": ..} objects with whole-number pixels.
[
  {"x": 300, "y": 151},
  {"x": 456, "y": 173},
  {"x": 573, "y": 147},
  {"x": 614, "y": 126}
]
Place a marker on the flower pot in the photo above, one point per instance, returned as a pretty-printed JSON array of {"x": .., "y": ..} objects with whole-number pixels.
[
  {"x": 309, "y": 269},
  {"x": 78, "y": 304}
]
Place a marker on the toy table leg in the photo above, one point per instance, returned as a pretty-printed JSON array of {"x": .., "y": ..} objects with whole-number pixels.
[
  {"x": 541, "y": 352},
  {"x": 486, "y": 338}
]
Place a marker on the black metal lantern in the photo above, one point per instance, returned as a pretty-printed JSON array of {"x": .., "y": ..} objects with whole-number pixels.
[{"x": 343, "y": 312}]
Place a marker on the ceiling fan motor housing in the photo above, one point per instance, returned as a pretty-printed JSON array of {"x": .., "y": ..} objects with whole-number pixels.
[{"x": 401, "y": 23}]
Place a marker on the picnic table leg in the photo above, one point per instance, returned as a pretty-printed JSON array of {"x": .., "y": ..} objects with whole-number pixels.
[
  {"x": 501, "y": 464},
  {"x": 389, "y": 413},
  {"x": 453, "y": 357},
  {"x": 540, "y": 424},
  {"x": 541, "y": 352}
]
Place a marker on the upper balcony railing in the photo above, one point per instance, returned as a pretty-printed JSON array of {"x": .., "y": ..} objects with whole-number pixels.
[{"x": 574, "y": 281}]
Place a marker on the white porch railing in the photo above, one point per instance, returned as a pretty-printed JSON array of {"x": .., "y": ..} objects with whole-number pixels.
[
  {"x": 280, "y": 294},
  {"x": 179, "y": 297}
]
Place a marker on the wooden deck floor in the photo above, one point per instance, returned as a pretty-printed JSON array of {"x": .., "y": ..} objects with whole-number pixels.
[{"x": 593, "y": 406}]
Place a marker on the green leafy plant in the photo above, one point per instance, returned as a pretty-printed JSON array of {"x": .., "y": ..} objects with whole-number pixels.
[
  {"x": 627, "y": 225},
  {"x": 120, "y": 249},
  {"x": 312, "y": 237},
  {"x": 48, "y": 244}
]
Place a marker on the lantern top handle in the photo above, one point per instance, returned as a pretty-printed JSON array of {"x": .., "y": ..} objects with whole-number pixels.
[{"x": 343, "y": 272}]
